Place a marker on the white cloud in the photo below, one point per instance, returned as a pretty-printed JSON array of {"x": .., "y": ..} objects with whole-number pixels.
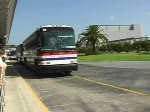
[{"x": 112, "y": 18}]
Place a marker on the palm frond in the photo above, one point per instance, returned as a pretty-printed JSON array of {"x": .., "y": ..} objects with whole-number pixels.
[{"x": 93, "y": 35}]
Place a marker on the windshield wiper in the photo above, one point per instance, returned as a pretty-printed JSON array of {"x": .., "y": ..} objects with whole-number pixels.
[
  {"x": 64, "y": 47},
  {"x": 61, "y": 45}
]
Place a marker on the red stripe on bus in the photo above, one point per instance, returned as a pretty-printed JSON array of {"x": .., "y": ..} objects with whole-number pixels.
[{"x": 57, "y": 53}]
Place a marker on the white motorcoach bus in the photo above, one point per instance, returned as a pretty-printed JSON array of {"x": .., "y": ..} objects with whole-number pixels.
[{"x": 51, "y": 48}]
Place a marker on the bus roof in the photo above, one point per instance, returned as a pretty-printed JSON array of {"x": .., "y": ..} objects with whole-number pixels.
[
  {"x": 46, "y": 26},
  {"x": 55, "y": 26}
]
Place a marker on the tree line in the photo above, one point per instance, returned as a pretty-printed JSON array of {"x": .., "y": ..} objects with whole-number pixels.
[
  {"x": 95, "y": 42},
  {"x": 117, "y": 48}
]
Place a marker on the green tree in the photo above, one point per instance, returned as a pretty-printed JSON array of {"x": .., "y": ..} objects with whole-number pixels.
[
  {"x": 12, "y": 46},
  {"x": 145, "y": 45},
  {"x": 118, "y": 47},
  {"x": 136, "y": 46},
  {"x": 110, "y": 47},
  {"x": 102, "y": 48},
  {"x": 127, "y": 46},
  {"x": 93, "y": 35}
]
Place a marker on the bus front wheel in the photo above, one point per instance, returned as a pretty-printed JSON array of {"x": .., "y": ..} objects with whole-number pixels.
[{"x": 67, "y": 72}]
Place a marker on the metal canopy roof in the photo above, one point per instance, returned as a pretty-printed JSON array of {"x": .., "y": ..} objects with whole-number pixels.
[{"x": 7, "y": 10}]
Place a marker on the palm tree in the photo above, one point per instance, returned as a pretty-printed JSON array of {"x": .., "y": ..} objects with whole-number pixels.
[{"x": 93, "y": 35}]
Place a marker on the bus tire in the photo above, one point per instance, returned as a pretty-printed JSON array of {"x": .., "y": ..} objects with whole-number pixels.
[
  {"x": 36, "y": 69},
  {"x": 25, "y": 62},
  {"x": 67, "y": 72}
]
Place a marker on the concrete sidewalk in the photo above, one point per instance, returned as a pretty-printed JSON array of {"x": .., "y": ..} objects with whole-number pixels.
[{"x": 18, "y": 95}]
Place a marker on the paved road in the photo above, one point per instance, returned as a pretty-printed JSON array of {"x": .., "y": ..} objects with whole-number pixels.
[
  {"x": 95, "y": 87},
  {"x": 121, "y": 64}
]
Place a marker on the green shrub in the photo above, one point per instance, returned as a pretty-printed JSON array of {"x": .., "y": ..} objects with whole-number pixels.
[{"x": 102, "y": 48}]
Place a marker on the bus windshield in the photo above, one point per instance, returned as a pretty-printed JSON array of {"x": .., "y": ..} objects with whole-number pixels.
[{"x": 58, "y": 40}]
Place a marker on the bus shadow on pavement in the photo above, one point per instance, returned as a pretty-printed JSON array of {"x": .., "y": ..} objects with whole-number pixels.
[
  {"x": 11, "y": 72},
  {"x": 15, "y": 69},
  {"x": 53, "y": 75}
]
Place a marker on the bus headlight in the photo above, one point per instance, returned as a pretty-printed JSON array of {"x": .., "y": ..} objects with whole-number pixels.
[
  {"x": 44, "y": 63},
  {"x": 73, "y": 61}
]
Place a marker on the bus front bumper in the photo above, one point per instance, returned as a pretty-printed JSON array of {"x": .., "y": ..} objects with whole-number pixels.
[{"x": 57, "y": 68}]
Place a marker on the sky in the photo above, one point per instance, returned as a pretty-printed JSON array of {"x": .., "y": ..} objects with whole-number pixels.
[{"x": 30, "y": 14}]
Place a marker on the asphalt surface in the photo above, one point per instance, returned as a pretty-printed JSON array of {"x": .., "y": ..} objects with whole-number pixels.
[{"x": 95, "y": 87}]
